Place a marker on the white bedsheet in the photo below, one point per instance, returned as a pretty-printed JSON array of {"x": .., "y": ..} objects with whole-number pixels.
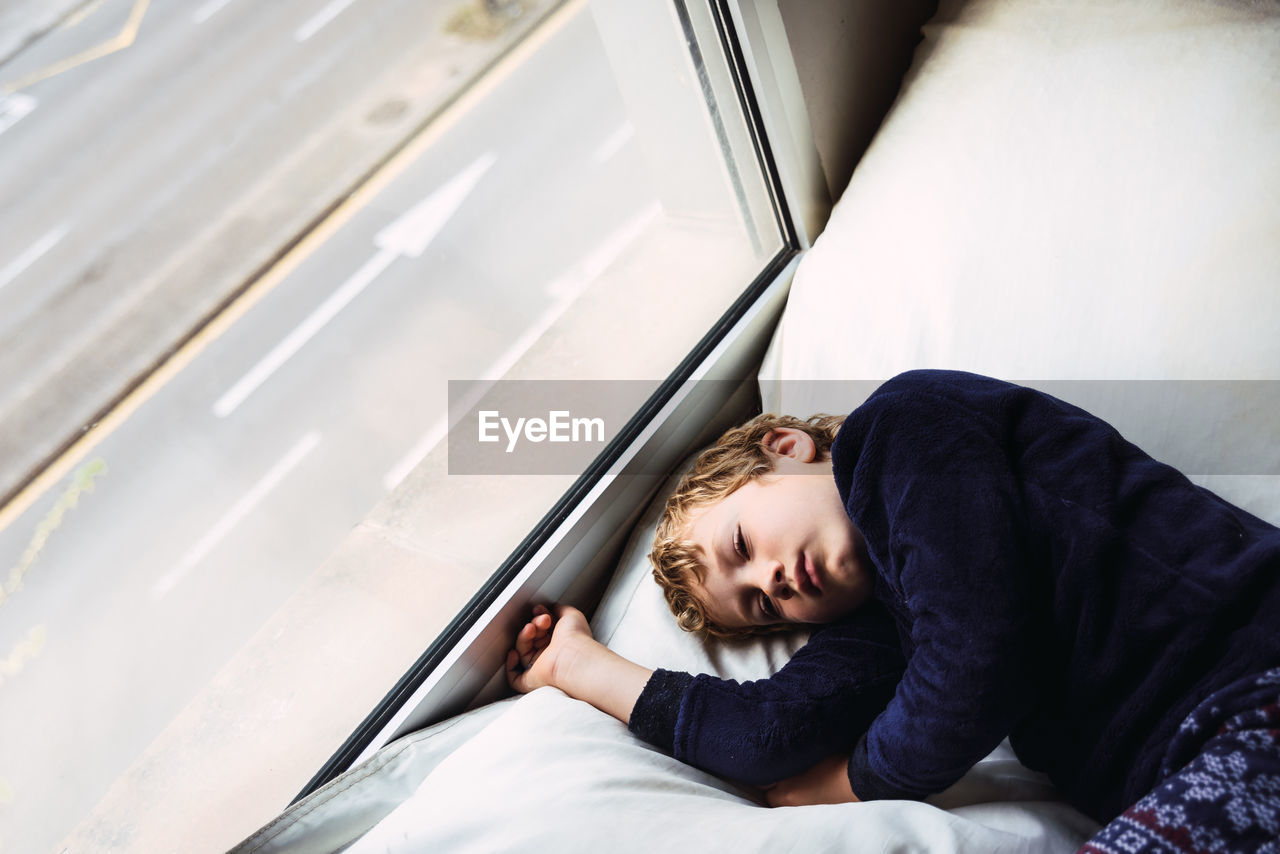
[{"x": 554, "y": 774}]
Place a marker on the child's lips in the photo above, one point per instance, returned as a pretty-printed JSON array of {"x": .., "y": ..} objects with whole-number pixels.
[{"x": 808, "y": 577}]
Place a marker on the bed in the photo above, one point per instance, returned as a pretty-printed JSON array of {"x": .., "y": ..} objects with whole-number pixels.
[{"x": 1075, "y": 194}]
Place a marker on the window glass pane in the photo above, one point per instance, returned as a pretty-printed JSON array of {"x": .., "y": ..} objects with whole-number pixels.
[{"x": 209, "y": 591}]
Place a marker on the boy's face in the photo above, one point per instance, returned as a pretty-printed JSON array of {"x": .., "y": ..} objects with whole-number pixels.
[{"x": 781, "y": 549}]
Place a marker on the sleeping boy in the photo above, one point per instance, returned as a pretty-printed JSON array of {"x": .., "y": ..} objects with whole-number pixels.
[{"x": 984, "y": 561}]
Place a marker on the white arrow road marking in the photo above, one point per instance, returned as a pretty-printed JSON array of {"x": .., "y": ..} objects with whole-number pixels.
[
  {"x": 238, "y": 511},
  {"x": 565, "y": 288},
  {"x": 34, "y": 253},
  {"x": 14, "y": 107},
  {"x": 319, "y": 20},
  {"x": 414, "y": 230},
  {"x": 410, "y": 235}
]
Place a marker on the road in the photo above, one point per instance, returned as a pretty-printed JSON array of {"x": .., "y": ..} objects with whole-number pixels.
[
  {"x": 232, "y": 483},
  {"x": 155, "y": 154}
]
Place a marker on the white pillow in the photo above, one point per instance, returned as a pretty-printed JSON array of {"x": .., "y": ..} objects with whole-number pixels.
[{"x": 1069, "y": 189}]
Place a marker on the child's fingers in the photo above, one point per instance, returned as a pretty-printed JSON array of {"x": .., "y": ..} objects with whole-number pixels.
[
  {"x": 514, "y": 669},
  {"x": 525, "y": 642},
  {"x": 532, "y": 639}
]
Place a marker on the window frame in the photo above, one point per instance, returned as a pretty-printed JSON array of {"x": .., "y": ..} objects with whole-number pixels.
[{"x": 567, "y": 549}]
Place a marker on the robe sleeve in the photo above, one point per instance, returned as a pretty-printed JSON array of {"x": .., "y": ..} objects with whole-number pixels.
[{"x": 763, "y": 731}]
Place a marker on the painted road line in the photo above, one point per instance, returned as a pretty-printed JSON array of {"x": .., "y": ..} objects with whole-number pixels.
[
  {"x": 487, "y": 378},
  {"x": 82, "y": 14},
  {"x": 303, "y": 333},
  {"x": 242, "y": 508},
  {"x": 14, "y": 108},
  {"x": 416, "y": 454},
  {"x": 318, "y": 21},
  {"x": 613, "y": 143},
  {"x": 207, "y": 10},
  {"x": 265, "y": 282},
  {"x": 120, "y": 41},
  {"x": 27, "y": 650},
  {"x": 34, "y": 253},
  {"x": 409, "y": 234},
  {"x": 565, "y": 289}
]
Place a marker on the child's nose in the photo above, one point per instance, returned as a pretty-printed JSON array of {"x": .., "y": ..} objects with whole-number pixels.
[{"x": 780, "y": 588}]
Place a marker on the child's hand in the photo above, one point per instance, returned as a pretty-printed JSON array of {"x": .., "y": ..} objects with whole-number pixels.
[
  {"x": 543, "y": 647},
  {"x": 825, "y": 783}
]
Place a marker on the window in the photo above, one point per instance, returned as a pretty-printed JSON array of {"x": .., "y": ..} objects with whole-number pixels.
[{"x": 259, "y": 539}]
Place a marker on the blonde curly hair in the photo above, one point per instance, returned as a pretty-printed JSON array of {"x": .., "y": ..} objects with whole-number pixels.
[{"x": 737, "y": 458}]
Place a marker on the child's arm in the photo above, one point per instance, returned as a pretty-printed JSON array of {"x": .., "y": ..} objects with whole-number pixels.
[
  {"x": 755, "y": 732},
  {"x": 562, "y": 653},
  {"x": 777, "y": 728}
]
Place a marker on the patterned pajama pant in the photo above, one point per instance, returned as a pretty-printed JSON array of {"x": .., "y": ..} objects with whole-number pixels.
[{"x": 1220, "y": 789}]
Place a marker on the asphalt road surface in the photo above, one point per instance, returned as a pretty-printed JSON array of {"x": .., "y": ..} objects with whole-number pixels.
[
  {"x": 154, "y": 154},
  {"x": 232, "y": 483}
]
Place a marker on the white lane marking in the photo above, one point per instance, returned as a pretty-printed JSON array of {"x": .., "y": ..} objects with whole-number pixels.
[
  {"x": 208, "y": 10},
  {"x": 34, "y": 253},
  {"x": 319, "y": 20},
  {"x": 613, "y": 143},
  {"x": 565, "y": 288},
  {"x": 14, "y": 107},
  {"x": 575, "y": 280},
  {"x": 238, "y": 511},
  {"x": 409, "y": 234},
  {"x": 292, "y": 343},
  {"x": 415, "y": 455}
]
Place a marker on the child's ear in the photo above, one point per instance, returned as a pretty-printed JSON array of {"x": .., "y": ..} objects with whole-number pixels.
[{"x": 789, "y": 442}]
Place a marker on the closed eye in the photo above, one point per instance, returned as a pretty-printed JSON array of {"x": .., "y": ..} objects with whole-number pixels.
[
  {"x": 740, "y": 543},
  {"x": 768, "y": 608}
]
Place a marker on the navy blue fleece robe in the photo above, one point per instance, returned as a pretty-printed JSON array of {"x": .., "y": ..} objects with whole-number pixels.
[{"x": 1047, "y": 581}]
